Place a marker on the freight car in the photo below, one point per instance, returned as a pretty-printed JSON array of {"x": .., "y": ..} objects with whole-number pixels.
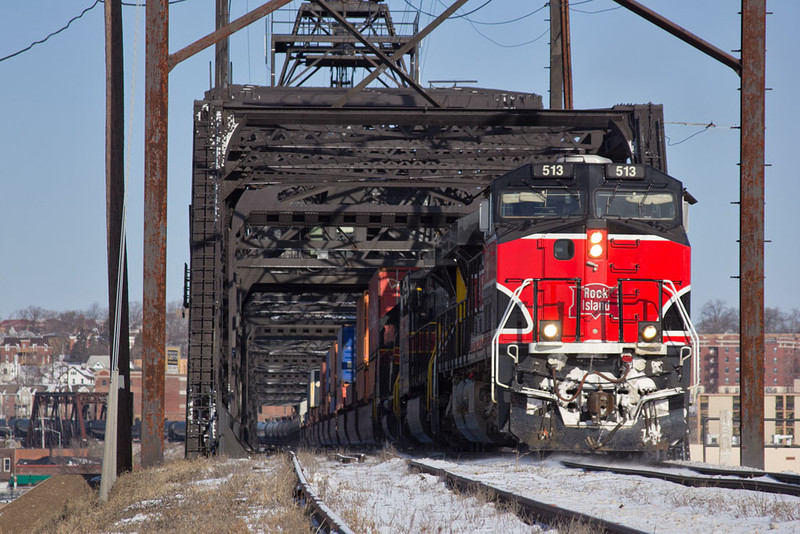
[{"x": 556, "y": 318}]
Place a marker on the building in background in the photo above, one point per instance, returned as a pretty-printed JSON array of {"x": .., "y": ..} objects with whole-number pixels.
[
  {"x": 720, "y": 373},
  {"x": 720, "y": 364}
]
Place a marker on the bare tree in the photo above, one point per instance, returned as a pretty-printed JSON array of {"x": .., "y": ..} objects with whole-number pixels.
[
  {"x": 135, "y": 313},
  {"x": 32, "y": 315},
  {"x": 177, "y": 326},
  {"x": 774, "y": 321},
  {"x": 71, "y": 321},
  {"x": 793, "y": 321},
  {"x": 717, "y": 317},
  {"x": 96, "y": 313}
]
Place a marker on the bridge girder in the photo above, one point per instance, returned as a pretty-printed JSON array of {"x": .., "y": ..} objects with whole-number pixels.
[{"x": 295, "y": 205}]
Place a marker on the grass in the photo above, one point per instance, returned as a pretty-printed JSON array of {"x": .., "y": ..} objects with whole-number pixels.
[
  {"x": 751, "y": 504},
  {"x": 203, "y": 495}
]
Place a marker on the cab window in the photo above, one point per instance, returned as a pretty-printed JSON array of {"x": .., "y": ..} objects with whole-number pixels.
[
  {"x": 646, "y": 205},
  {"x": 542, "y": 203}
]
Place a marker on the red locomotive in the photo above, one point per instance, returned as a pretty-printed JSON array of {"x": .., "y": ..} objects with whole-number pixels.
[{"x": 556, "y": 318}]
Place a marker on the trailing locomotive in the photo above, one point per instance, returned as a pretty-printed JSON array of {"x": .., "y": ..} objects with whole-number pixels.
[{"x": 556, "y": 318}]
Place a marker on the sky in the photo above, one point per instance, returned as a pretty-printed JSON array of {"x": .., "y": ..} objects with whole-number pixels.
[{"x": 52, "y": 205}]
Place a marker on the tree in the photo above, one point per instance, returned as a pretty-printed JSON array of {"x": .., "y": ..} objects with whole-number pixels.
[
  {"x": 135, "y": 314},
  {"x": 717, "y": 317},
  {"x": 96, "y": 313},
  {"x": 177, "y": 326},
  {"x": 71, "y": 321},
  {"x": 793, "y": 321},
  {"x": 32, "y": 315},
  {"x": 80, "y": 349},
  {"x": 774, "y": 321}
]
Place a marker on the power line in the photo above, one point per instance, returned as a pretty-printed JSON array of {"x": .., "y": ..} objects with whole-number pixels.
[
  {"x": 473, "y": 23},
  {"x": 509, "y": 21},
  {"x": 40, "y": 41},
  {"x": 73, "y": 19},
  {"x": 707, "y": 127},
  {"x": 465, "y": 15},
  {"x": 514, "y": 45},
  {"x": 595, "y": 12},
  {"x": 572, "y": 8}
]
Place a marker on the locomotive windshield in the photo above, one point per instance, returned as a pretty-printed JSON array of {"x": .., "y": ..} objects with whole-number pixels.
[
  {"x": 654, "y": 206},
  {"x": 542, "y": 203}
]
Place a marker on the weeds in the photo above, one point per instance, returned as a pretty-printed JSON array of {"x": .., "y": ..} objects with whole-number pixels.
[
  {"x": 192, "y": 495},
  {"x": 576, "y": 526}
]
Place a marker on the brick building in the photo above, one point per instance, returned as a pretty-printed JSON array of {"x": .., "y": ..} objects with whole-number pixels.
[
  {"x": 28, "y": 350},
  {"x": 174, "y": 385},
  {"x": 720, "y": 364}
]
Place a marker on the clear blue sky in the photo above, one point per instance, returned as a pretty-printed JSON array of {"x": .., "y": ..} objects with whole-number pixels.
[{"x": 52, "y": 212}]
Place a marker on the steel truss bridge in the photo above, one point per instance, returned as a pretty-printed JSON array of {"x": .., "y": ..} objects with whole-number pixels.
[{"x": 299, "y": 194}]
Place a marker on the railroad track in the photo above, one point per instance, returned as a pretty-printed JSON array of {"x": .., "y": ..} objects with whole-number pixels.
[
  {"x": 786, "y": 478},
  {"x": 323, "y": 519},
  {"x": 530, "y": 510},
  {"x": 714, "y": 478}
]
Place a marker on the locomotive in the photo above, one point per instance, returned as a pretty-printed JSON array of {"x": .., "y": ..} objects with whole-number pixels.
[{"x": 556, "y": 318}]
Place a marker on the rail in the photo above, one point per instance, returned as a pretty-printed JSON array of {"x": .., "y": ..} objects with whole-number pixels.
[
  {"x": 325, "y": 519},
  {"x": 692, "y": 481},
  {"x": 529, "y": 509}
]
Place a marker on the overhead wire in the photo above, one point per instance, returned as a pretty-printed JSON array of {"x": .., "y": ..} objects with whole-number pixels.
[
  {"x": 495, "y": 23},
  {"x": 596, "y": 11},
  {"x": 52, "y": 34},
  {"x": 705, "y": 129},
  {"x": 465, "y": 16},
  {"x": 69, "y": 22}
]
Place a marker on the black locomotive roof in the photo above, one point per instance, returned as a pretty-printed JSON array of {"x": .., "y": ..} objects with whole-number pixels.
[{"x": 590, "y": 177}]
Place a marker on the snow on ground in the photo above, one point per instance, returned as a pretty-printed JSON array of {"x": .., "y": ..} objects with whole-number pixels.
[
  {"x": 386, "y": 497},
  {"x": 646, "y": 504}
]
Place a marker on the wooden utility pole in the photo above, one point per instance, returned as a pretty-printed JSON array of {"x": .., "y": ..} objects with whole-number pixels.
[
  {"x": 117, "y": 249},
  {"x": 222, "y": 56},
  {"x": 556, "y": 70},
  {"x": 560, "y": 56}
]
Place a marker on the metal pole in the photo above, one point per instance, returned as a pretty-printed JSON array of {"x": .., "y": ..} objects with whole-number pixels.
[
  {"x": 752, "y": 69},
  {"x": 556, "y": 65},
  {"x": 117, "y": 246},
  {"x": 155, "y": 231},
  {"x": 751, "y": 247}
]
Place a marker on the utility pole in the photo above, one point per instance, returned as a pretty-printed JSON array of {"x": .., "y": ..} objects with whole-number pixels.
[
  {"x": 556, "y": 72},
  {"x": 155, "y": 231},
  {"x": 158, "y": 64},
  {"x": 751, "y": 232},
  {"x": 560, "y": 56},
  {"x": 222, "y": 56},
  {"x": 117, "y": 248},
  {"x": 752, "y": 70}
]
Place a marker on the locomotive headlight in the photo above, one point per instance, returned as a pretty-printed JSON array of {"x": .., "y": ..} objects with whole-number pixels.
[
  {"x": 649, "y": 332},
  {"x": 596, "y": 244},
  {"x": 550, "y": 330},
  {"x": 596, "y": 251}
]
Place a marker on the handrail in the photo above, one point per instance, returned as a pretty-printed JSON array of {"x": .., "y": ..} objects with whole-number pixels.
[
  {"x": 692, "y": 332},
  {"x": 431, "y": 363},
  {"x": 496, "y": 337},
  {"x": 396, "y": 397}
]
